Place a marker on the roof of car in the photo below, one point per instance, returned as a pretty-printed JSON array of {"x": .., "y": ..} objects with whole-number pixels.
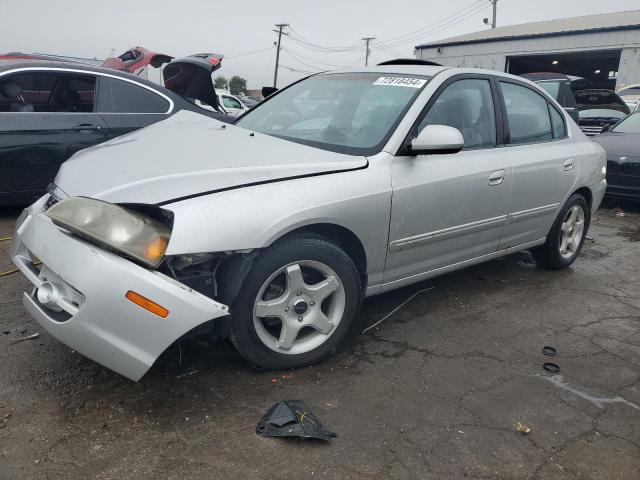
[
  {"x": 6, "y": 65},
  {"x": 426, "y": 70}
]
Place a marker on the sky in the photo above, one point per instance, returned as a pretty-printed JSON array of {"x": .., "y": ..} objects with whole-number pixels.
[{"x": 322, "y": 34}]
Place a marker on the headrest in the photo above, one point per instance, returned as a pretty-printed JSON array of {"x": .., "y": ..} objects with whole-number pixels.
[{"x": 10, "y": 88}]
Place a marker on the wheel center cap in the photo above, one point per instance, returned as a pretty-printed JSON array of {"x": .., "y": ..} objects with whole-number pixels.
[{"x": 300, "y": 307}]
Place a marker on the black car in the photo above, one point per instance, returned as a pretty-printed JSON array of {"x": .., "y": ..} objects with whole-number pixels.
[
  {"x": 558, "y": 85},
  {"x": 599, "y": 109},
  {"x": 622, "y": 144},
  {"x": 50, "y": 110}
]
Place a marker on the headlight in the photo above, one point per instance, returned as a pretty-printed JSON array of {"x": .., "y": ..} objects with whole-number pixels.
[{"x": 116, "y": 227}]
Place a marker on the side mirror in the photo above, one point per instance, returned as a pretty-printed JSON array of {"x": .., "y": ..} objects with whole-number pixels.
[
  {"x": 266, "y": 91},
  {"x": 437, "y": 139}
]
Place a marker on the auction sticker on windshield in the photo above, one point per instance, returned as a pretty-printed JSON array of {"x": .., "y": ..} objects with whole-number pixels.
[{"x": 401, "y": 82}]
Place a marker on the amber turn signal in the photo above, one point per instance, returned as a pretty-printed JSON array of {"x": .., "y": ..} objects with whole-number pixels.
[{"x": 147, "y": 304}]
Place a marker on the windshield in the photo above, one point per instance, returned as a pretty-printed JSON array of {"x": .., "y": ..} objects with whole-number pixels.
[
  {"x": 352, "y": 113},
  {"x": 631, "y": 124},
  {"x": 601, "y": 113}
]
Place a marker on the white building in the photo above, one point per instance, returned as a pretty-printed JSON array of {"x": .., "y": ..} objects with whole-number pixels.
[{"x": 603, "y": 48}]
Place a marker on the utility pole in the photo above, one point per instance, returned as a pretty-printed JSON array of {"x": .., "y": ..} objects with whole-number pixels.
[
  {"x": 367, "y": 51},
  {"x": 495, "y": 12},
  {"x": 279, "y": 26}
]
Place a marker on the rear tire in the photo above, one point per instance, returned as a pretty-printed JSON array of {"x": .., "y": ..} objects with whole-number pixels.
[
  {"x": 296, "y": 303},
  {"x": 567, "y": 235}
]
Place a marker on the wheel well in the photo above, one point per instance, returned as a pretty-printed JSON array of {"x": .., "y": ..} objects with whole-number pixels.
[
  {"x": 345, "y": 239},
  {"x": 586, "y": 193}
]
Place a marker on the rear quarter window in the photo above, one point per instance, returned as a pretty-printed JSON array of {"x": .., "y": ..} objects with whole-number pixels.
[{"x": 120, "y": 96}]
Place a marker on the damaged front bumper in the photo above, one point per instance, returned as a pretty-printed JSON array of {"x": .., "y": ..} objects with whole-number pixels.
[{"x": 79, "y": 297}]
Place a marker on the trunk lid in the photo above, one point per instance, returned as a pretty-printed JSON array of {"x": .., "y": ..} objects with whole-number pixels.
[{"x": 190, "y": 77}]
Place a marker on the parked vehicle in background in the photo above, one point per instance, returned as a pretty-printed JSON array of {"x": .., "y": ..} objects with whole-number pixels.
[
  {"x": 622, "y": 144},
  {"x": 247, "y": 101},
  {"x": 285, "y": 219},
  {"x": 232, "y": 104},
  {"x": 50, "y": 110},
  {"x": 558, "y": 85},
  {"x": 631, "y": 96},
  {"x": 599, "y": 109}
]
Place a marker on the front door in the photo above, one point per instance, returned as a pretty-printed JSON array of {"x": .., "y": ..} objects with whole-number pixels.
[
  {"x": 50, "y": 119},
  {"x": 450, "y": 208}
]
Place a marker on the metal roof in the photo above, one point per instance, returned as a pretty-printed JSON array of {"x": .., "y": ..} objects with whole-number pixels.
[{"x": 563, "y": 26}]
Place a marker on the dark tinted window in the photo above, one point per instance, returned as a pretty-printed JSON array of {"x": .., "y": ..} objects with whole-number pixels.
[
  {"x": 468, "y": 106},
  {"x": 527, "y": 114},
  {"x": 119, "y": 96},
  {"x": 557, "y": 124},
  {"x": 47, "y": 92}
]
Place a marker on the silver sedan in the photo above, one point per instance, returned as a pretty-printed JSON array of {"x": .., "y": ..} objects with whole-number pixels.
[{"x": 272, "y": 231}]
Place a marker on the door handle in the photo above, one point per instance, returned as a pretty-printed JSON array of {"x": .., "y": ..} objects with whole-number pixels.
[
  {"x": 568, "y": 164},
  {"x": 87, "y": 127},
  {"x": 496, "y": 178}
]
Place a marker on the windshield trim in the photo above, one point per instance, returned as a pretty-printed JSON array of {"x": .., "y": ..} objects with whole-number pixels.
[{"x": 346, "y": 149}]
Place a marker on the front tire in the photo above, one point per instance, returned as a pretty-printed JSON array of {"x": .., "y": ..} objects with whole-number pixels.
[
  {"x": 567, "y": 235},
  {"x": 296, "y": 304}
]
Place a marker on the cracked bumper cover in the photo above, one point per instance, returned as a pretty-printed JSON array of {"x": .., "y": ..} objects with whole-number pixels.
[{"x": 90, "y": 312}]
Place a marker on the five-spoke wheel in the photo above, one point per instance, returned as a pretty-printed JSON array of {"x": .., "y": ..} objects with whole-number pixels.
[{"x": 296, "y": 303}]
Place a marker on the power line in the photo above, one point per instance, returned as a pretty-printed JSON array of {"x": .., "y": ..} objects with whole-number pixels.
[
  {"x": 248, "y": 53},
  {"x": 297, "y": 56}
]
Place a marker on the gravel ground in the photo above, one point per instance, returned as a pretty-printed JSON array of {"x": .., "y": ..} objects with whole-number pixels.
[{"x": 434, "y": 392}]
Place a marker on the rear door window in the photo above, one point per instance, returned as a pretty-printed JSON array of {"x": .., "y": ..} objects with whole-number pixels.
[
  {"x": 120, "y": 96},
  {"x": 557, "y": 123},
  {"x": 527, "y": 115}
]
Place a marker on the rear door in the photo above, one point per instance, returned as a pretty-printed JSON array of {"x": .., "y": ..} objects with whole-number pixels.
[
  {"x": 127, "y": 105},
  {"x": 54, "y": 119},
  {"x": 542, "y": 156}
]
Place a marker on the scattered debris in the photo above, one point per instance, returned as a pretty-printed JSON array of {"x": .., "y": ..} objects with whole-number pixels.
[
  {"x": 5, "y": 419},
  {"x": 29, "y": 337},
  {"x": 292, "y": 418},
  {"x": 620, "y": 212},
  {"x": 192, "y": 372},
  {"x": 589, "y": 237},
  {"x": 549, "y": 351},
  {"x": 522, "y": 428},
  {"x": 551, "y": 367},
  {"x": 397, "y": 308}
]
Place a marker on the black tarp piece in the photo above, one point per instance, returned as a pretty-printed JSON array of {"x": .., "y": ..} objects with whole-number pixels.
[{"x": 292, "y": 418}]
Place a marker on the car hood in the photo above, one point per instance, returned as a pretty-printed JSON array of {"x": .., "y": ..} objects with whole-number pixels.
[
  {"x": 617, "y": 144},
  {"x": 188, "y": 155}
]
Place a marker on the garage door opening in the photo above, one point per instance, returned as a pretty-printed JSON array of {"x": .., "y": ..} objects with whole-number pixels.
[{"x": 599, "y": 67}]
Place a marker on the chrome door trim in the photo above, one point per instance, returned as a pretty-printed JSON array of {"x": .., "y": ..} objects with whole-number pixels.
[
  {"x": 385, "y": 287},
  {"x": 446, "y": 233},
  {"x": 90, "y": 72},
  {"x": 531, "y": 213}
]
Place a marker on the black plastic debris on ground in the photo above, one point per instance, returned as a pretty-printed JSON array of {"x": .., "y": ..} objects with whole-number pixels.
[{"x": 292, "y": 418}]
